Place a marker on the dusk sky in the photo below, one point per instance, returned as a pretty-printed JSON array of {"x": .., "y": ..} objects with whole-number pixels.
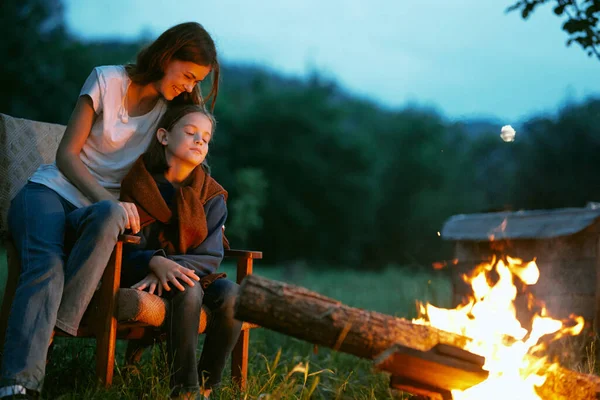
[{"x": 465, "y": 58}]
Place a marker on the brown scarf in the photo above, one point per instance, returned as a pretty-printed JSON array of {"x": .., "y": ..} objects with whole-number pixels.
[{"x": 185, "y": 223}]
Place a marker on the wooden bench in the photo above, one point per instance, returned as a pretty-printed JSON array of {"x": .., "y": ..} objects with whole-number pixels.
[{"x": 114, "y": 313}]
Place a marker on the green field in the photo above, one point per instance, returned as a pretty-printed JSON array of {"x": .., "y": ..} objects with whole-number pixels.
[{"x": 273, "y": 357}]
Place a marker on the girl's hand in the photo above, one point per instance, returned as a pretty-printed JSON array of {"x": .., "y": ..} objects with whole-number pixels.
[
  {"x": 169, "y": 271},
  {"x": 151, "y": 282},
  {"x": 133, "y": 218}
]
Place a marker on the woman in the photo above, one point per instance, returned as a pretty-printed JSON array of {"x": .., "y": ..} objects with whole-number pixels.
[
  {"x": 70, "y": 207},
  {"x": 183, "y": 210}
]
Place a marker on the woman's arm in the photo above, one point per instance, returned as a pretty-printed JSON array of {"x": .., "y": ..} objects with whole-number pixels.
[
  {"x": 67, "y": 155},
  {"x": 70, "y": 164}
]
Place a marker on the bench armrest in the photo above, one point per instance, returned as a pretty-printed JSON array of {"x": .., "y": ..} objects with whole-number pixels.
[
  {"x": 231, "y": 253},
  {"x": 244, "y": 261},
  {"x": 130, "y": 239}
]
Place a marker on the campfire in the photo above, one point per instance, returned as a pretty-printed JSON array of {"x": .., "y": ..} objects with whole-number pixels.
[
  {"x": 514, "y": 356},
  {"x": 478, "y": 351}
]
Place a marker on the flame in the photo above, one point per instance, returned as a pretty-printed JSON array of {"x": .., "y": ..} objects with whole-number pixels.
[{"x": 489, "y": 320}]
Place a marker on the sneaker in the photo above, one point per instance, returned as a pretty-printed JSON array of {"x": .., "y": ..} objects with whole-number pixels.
[{"x": 18, "y": 392}]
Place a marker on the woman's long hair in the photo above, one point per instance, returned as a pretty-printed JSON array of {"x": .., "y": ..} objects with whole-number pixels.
[{"x": 185, "y": 42}]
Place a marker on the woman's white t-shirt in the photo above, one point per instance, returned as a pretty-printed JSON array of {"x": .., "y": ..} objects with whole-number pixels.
[{"x": 115, "y": 142}]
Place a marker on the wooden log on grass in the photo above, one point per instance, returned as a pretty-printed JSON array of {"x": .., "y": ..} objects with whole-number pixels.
[{"x": 310, "y": 316}]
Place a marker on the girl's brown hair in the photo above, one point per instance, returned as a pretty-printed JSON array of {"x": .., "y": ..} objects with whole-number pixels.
[
  {"x": 155, "y": 158},
  {"x": 185, "y": 42}
]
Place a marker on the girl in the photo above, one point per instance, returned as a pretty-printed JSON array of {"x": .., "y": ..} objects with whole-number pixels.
[
  {"x": 182, "y": 211},
  {"x": 70, "y": 207}
]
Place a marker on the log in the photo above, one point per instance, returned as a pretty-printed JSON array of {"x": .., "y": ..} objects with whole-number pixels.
[
  {"x": 434, "y": 373},
  {"x": 310, "y": 316}
]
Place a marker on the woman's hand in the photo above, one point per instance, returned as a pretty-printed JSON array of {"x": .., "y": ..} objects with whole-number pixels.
[
  {"x": 150, "y": 282},
  {"x": 133, "y": 218},
  {"x": 169, "y": 271}
]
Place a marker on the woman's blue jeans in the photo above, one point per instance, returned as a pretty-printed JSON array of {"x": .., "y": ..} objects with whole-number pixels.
[{"x": 63, "y": 252}]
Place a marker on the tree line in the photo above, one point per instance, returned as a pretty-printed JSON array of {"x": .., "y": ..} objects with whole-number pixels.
[{"x": 317, "y": 175}]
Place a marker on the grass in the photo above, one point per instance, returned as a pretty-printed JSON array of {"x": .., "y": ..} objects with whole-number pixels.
[{"x": 280, "y": 367}]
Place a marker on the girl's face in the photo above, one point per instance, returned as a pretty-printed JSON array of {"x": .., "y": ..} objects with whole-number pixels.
[
  {"x": 187, "y": 142},
  {"x": 180, "y": 76}
]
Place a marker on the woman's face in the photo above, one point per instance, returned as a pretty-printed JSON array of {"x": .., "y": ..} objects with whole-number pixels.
[
  {"x": 188, "y": 140},
  {"x": 180, "y": 76}
]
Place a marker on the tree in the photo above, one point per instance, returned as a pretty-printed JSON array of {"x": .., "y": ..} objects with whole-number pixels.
[
  {"x": 317, "y": 172},
  {"x": 32, "y": 52},
  {"x": 247, "y": 207},
  {"x": 558, "y": 159},
  {"x": 43, "y": 66},
  {"x": 581, "y": 24}
]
